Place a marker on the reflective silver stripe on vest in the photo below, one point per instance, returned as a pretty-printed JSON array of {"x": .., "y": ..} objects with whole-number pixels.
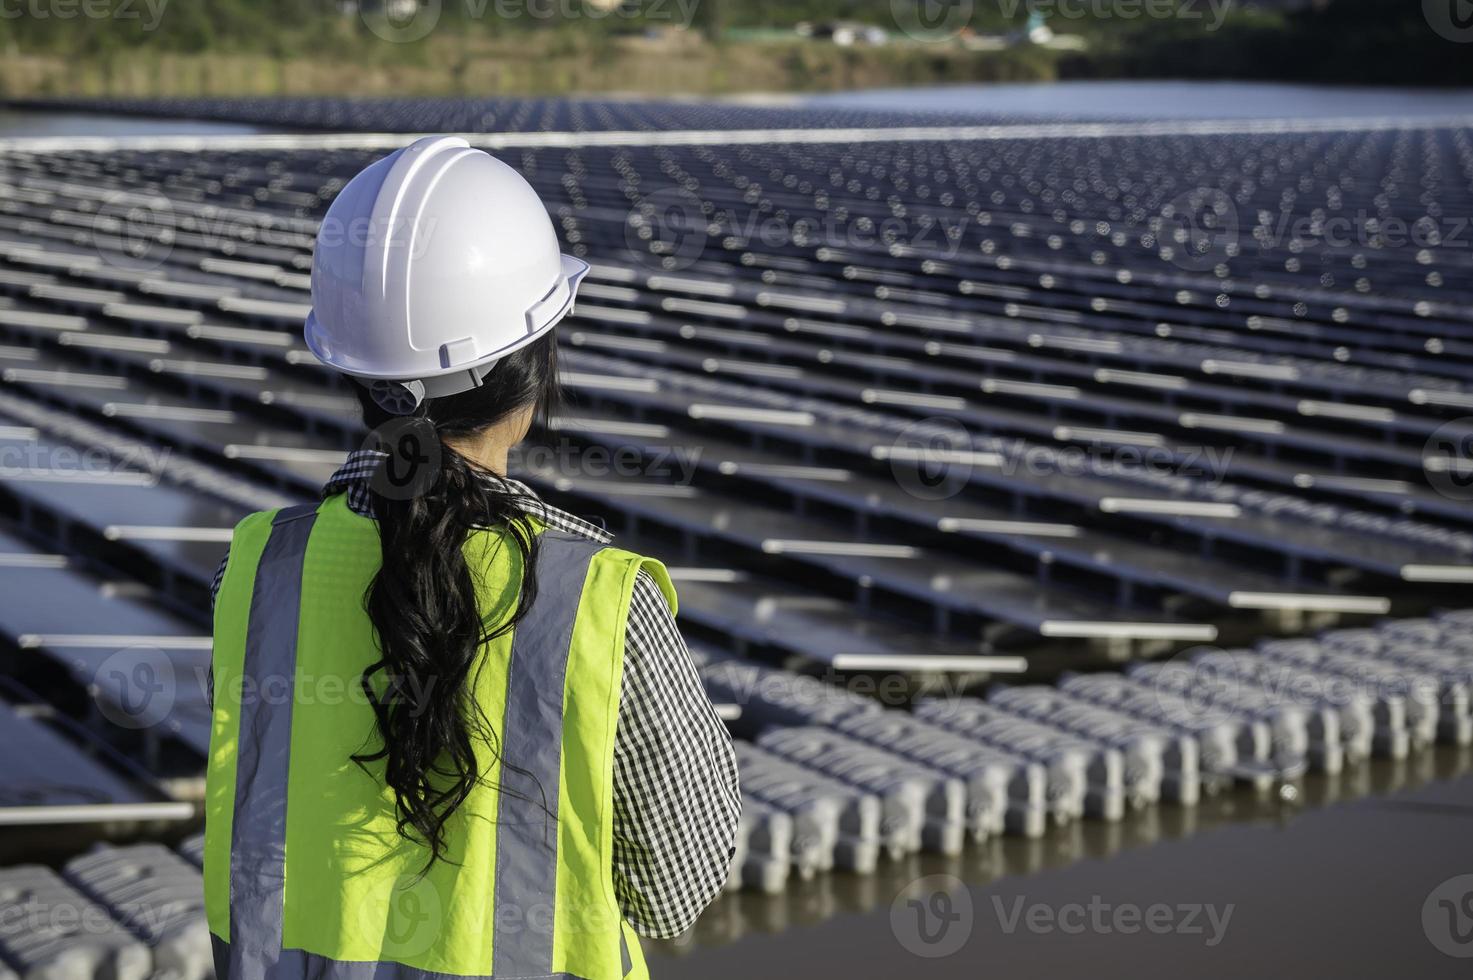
[
  {"x": 258, "y": 833},
  {"x": 531, "y": 757}
]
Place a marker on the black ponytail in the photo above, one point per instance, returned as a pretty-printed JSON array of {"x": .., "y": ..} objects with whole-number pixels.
[{"x": 423, "y": 600}]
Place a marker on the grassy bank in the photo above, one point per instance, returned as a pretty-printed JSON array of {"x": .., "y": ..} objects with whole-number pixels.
[
  {"x": 303, "y": 47},
  {"x": 565, "y": 65}
]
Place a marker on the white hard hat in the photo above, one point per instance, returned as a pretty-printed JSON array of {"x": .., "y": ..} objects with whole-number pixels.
[{"x": 431, "y": 265}]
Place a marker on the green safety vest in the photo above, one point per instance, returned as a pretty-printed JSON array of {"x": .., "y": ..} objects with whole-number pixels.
[{"x": 306, "y": 874}]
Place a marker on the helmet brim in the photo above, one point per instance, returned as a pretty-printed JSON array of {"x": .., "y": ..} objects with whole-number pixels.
[{"x": 572, "y": 270}]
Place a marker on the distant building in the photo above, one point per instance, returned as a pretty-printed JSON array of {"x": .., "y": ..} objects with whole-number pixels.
[
  {"x": 399, "y": 10},
  {"x": 845, "y": 33},
  {"x": 1036, "y": 31}
]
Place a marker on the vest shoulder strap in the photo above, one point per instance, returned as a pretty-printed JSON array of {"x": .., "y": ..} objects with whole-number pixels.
[{"x": 654, "y": 567}]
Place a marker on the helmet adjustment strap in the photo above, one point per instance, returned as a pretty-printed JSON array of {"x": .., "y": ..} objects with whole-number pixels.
[{"x": 397, "y": 397}]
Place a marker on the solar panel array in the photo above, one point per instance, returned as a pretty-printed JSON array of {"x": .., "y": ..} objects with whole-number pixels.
[
  {"x": 937, "y": 407},
  {"x": 833, "y": 781}
]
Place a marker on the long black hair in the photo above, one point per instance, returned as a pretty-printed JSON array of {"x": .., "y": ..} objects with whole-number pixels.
[{"x": 423, "y": 600}]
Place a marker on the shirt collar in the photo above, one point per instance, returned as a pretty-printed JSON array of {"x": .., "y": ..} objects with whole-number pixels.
[{"x": 357, "y": 470}]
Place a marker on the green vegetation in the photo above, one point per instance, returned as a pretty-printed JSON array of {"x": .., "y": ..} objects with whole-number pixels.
[
  {"x": 1363, "y": 42},
  {"x": 199, "y": 47}
]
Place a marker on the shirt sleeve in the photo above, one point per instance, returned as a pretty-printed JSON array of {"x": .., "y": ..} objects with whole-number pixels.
[
  {"x": 214, "y": 593},
  {"x": 219, "y": 577},
  {"x": 676, "y": 797}
]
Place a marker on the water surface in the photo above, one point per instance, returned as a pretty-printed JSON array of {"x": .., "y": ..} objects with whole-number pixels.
[
  {"x": 16, "y": 123},
  {"x": 1160, "y": 100},
  {"x": 1332, "y": 887}
]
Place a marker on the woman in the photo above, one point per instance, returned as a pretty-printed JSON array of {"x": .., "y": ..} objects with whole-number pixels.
[{"x": 456, "y": 733}]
